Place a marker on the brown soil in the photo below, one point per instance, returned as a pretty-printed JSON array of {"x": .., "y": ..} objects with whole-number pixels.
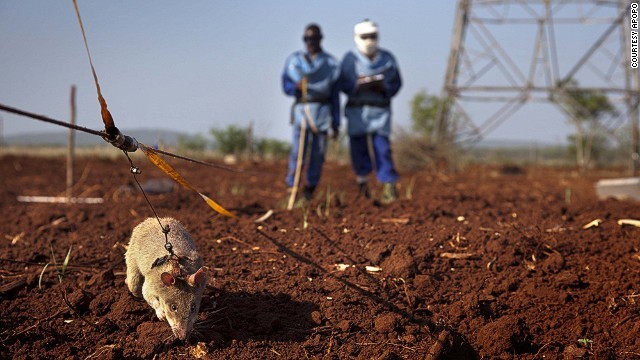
[{"x": 531, "y": 282}]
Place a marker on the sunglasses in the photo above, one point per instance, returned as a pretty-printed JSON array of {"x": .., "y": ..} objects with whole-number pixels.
[
  {"x": 372, "y": 36},
  {"x": 308, "y": 39}
]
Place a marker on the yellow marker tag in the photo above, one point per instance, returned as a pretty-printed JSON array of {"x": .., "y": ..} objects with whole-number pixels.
[{"x": 168, "y": 169}]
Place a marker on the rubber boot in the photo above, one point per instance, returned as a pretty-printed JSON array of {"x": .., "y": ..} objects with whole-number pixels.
[{"x": 389, "y": 193}]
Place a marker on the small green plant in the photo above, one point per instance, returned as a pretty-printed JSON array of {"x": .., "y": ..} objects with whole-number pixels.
[
  {"x": 324, "y": 210},
  {"x": 60, "y": 271},
  {"x": 586, "y": 342},
  {"x": 567, "y": 196},
  {"x": 327, "y": 202}
]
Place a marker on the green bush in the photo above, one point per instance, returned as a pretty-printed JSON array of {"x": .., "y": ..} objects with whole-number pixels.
[{"x": 232, "y": 140}]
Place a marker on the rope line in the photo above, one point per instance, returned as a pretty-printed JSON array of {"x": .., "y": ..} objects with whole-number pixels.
[
  {"x": 165, "y": 230},
  {"x": 222, "y": 167},
  {"x": 106, "y": 115},
  {"x": 104, "y": 135},
  {"x": 52, "y": 121}
]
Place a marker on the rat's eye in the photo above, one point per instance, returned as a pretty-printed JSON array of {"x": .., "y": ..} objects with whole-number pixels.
[
  {"x": 174, "y": 307},
  {"x": 193, "y": 307}
]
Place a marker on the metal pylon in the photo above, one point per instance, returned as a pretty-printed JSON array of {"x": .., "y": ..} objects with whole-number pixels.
[{"x": 514, "y": 52}]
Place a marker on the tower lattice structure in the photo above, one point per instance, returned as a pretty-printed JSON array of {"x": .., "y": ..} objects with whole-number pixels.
[{"x": 510, "y": 53}]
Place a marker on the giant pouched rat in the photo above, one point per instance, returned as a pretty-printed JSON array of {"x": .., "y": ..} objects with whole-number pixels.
[{"x": 171, "y": 284}]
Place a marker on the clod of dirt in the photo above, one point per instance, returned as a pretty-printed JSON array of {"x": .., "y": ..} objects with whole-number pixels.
[
  {"x": 79, "y": 299},
  {"x": 567, "y": 279},
  {"x": 574, "y": 352},
  {"x": 377, "y": 251},
  {"x": 387, "y": 322},
  {"x": 102, "y": 278},
  {"x": 553, "y": 263},
  {"x": 401, "y": 262},
  {"x": 506, "y": 335},
  {"x": 424, "y": 283},
  {"x": 316, "y": 317},
  {"x": 101, "y": 304},
  {"x": 151, "y": 337},
  {"x": 344, "y": 326}
]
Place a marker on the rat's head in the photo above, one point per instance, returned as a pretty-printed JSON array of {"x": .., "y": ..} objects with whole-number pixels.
[{"x": 181, "y": 301}]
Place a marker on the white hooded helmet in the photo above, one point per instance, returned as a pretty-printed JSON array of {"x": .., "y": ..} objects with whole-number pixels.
[{"x": 366, "y": 37}]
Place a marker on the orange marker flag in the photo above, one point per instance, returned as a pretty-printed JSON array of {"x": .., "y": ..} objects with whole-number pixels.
[{"x": 168, "y": 169}]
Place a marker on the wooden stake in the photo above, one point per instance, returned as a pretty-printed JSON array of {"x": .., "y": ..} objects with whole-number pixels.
[
  {"x": 71, "y": 145},
  {"x": 60, "y": 199},
  {"x": 301, "y": 146},
  {"x": 296, "y": 177}
]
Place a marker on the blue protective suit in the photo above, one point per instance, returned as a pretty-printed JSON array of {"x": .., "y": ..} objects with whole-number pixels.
[
  {"x": 368, "y": 111},
  {"x": 322, "y": 102}
]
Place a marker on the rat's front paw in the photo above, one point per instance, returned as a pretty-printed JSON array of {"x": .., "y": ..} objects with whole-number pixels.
[{"x": 160, "y": 314}]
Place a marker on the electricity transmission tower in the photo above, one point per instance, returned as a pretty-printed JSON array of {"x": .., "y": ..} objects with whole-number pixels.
[{"x": 510, "y": 53}]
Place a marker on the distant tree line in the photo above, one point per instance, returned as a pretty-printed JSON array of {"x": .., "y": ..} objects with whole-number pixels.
[
  {"x": 234, "y": 140},
  {"x": 590, "y": 145}
]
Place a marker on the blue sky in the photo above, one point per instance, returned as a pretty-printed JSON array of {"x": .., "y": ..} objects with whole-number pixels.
[{"x": 191, "y": 66}]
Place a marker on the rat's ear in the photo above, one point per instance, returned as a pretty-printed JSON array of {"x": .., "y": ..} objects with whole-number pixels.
[
  {"x": 167, "y": 279},
  {"x": 196, "y": 279}
]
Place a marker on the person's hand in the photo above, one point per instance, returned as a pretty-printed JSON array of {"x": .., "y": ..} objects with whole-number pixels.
[
  {"x": 378, "y": 87},
  {"x": 335, "y": 133}
]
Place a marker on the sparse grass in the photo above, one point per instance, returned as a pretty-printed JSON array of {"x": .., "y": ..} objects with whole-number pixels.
[
  {"x": 237, "y": 190},
  {"x": 305, "y": 213},
  {"x": 409, "y": 190},
  {"x": 327, "y": 202},
  {"x": 60, "y": 272}
]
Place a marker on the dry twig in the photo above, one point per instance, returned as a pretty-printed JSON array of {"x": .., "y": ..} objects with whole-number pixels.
[{"x": 439, "y": 347}]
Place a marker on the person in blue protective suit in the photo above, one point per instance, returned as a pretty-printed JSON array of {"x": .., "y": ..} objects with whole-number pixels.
[
  {"x": 370, "y": 77},
  {"x": 310, "y": 76}
]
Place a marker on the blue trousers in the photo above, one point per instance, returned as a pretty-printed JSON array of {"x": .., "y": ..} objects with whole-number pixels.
[
  {"x": 361, "y": 160},
  {"x": 317, "y": 145}
]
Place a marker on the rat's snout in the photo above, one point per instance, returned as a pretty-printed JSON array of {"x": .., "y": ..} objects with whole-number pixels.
[{"x": 181, "y": 333}]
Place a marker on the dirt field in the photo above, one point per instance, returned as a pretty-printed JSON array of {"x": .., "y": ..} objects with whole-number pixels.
[{"x": 482, "y": 264}]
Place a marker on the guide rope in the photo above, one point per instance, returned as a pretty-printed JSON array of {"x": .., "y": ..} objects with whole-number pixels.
[
  {"x": 165, "y": 229},
  {"x": 104, "y": 135}
]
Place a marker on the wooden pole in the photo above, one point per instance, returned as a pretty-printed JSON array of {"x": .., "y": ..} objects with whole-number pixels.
[
  {"x": 296, "y": 176},
  {"x": 301, "y": 147},
  {"x": 71, "y": 144}
]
